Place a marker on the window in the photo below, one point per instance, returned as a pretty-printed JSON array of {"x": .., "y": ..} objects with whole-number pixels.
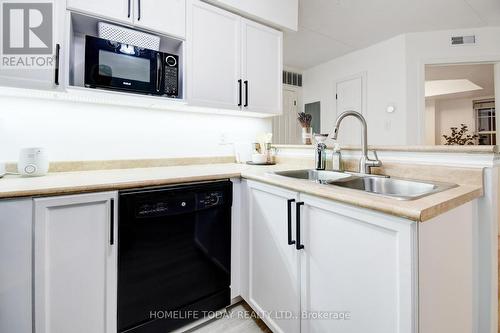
[{"x": 484, "y": 112}]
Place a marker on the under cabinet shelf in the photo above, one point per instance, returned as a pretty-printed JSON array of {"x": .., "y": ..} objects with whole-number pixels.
[{"x": 122, "y": 99}]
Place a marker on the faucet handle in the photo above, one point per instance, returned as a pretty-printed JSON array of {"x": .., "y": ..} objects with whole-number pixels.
[{"x": 376, "y": 162}]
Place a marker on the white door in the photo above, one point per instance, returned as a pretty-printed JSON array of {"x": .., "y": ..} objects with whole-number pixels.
[
  {"x": 75, "y": 264},
  {"x": 166, "y": 16},
  {"x": 118, "y": 10},
  {"x": 50, "y": 74},
  {"x": 262, "y": 67},
  {"x": 286, "y": 128},
  {"x": 273, "y": 263},
  {"x": 214, "y": 56},
  {"x": 357, "y": 264},
  {"x": 349, "y": 96}
]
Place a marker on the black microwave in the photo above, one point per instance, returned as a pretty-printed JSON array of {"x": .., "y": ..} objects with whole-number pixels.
[{"x": 119, "y": 66}]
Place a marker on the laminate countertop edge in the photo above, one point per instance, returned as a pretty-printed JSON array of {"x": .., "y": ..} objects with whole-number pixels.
[{"x": 68, "y": 183}]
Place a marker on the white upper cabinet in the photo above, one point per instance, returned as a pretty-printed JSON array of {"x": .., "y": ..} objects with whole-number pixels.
[
  {"x": 357, "y": 262},
  {"x": 75, "y": 263},
  {"x": 166, "y": 16},
  {"x": 214, "y": 56},
  {"x": 233, "y": 63},
  {"x": 273, "y": 262},
  {"x": 118, "y": 10},
  {"x": 280, "y": 13},
  {"x": 262, "y": 67},
  {"x": 50, "y": 74}
]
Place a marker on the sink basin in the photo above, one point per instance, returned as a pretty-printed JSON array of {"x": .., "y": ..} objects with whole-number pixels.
[
  {"x": 319, "y": 176},
  {"x": 400, "y": 189}
]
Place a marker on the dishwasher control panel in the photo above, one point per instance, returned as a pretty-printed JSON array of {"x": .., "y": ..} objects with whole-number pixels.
[{"x": 210, "y": 199}]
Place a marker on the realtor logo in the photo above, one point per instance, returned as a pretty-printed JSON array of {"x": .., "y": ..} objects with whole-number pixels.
[{"x": 27, "y": 34}]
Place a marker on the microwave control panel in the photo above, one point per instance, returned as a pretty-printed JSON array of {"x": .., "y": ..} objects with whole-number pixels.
[{"x": 171, "y": 75}]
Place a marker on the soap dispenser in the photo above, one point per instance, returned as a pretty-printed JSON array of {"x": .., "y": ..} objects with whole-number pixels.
[{"x": 337, "y": 158}]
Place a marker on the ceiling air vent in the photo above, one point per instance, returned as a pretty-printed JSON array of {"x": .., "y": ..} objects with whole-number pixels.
[
  {"x": 463, "y": 40},
  {"x": 293, "y": 79}
]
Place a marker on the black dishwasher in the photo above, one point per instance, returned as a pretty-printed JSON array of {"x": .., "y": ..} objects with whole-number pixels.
[{"x": 174, "y": 255}]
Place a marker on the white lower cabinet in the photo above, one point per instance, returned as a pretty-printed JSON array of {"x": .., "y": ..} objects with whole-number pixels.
[
  {"x": 75, "y": 263},
  {"x": 357, "y": 270},
  {"x": 273, "y": 290},
  {"x": 355, "y": 273}
]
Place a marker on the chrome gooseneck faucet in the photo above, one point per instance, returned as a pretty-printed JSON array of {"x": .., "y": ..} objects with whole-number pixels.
[{"x": 365, "y": 163}]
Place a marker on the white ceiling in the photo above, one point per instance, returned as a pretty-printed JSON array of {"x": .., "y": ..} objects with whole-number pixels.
[
  {"x": 435, "y": 88},
  {"x": 479, "y": 74},
  {"x": 331, "y": 28}
]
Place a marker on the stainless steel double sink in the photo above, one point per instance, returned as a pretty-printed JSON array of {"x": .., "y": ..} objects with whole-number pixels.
[{"x": 400, "y": 189}]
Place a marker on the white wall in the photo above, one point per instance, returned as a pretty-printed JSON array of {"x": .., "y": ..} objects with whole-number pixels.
[
  {"x": 452, "y": 113},
  {"x": 77, "y": 131},
  {"x": 384, "y": 64},
  {"x": 430, "y": 122},
  {"x": 395, "y": 75}
]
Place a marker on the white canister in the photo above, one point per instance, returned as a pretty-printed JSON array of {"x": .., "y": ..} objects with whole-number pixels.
[{"x": 33, "y": 162}]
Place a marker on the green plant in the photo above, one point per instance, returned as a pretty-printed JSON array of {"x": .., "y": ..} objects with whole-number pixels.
[{"x": 460, "y": 136}]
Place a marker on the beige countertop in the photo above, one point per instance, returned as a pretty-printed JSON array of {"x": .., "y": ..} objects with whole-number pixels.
[{"x": 59, "y": 183}]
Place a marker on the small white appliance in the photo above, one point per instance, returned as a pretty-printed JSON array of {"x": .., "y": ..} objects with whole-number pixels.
[
  {"x": 33, "y": 162},
  {"x": 128, "y": 36}
]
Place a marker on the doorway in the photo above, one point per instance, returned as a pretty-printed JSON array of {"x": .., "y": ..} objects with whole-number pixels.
[{"x": 460, "y": 104}]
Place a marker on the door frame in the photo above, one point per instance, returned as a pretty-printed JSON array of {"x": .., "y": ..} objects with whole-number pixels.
[{"x": 495, "y": 60}]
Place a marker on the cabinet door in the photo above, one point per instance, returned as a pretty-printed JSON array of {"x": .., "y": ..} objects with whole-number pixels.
[
  {"x": 75, "y": 264},
  {"x": 16, "y": 220},
  {"x": 262, "y": 67},
  {"x": 360, "y": 263},
  {"x": 214, "y": 56},
  {"x": 166, "y": 16},
  {"x": 118, "y": 10},
  {"x": 273, "y": 263},
  {"x": 40, "y": 71}
]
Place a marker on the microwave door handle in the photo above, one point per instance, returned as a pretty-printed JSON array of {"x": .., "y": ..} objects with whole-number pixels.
[
  {"x": 56, "y": 66},
  {"x": 158, "y": 72}
]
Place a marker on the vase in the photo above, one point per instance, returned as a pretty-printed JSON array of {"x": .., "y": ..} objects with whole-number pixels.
[{"x": 307, "y": 135}]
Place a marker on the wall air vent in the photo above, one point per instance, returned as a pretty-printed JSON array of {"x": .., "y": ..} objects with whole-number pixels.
[
  {"x": 293, "y": 79},
  {"x": 463, "y": 40}
]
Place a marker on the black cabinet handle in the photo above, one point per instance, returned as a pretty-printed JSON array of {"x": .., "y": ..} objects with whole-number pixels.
[
  {"x": 128, "y": 12},
  {"x": 246, "y": 93},
  {"x": 112, "y": 222},
  {"x": 240, "y": 93},
  {"x": 56, "y": 66},
  {"x": 289, "y": 206},
  {"x": 298, "y": 245},
  {"x": 138, "y": 10}
]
